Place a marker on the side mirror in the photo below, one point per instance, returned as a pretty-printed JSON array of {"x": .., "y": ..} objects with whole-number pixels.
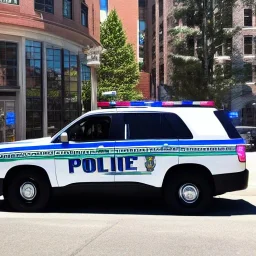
[{"x": 64, "y": 137}]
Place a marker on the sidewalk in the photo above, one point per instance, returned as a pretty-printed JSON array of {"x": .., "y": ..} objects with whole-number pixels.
[
  {"x": 251, "y": 166},
  {"x": 251, "y": 190}
]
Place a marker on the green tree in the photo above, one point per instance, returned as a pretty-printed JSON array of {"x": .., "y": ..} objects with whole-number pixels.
[
  {"x": 119, "y": 70},
  {"x": 207, "y": 29}
]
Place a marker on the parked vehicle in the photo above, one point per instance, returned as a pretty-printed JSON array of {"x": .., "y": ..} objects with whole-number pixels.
[
  {"x": 188, "y": 151},
  {"x": 248, "y": 133}
]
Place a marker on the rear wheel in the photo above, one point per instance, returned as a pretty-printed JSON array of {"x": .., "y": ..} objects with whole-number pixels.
[
  {"x": 28, "y": 191},
  {"x": 188, "y": 194}
]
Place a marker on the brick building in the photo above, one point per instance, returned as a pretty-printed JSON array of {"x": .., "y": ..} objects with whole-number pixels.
[
  {"x": 238, "y": 51},
  {"x": 42, "y": 64},
  {"x": 243, "y": 98},
  {"x": 133, "y": 15},
  {"x": 158, "y": 20}
]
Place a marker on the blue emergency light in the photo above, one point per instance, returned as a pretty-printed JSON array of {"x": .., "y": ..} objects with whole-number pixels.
[
  {"x": 233, "y": 114},
  {"x": 155, "y": 103}
]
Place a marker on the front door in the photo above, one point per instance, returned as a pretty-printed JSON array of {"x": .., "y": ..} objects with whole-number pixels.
[
  {"x": 89, "y": 155},
  {"x": 7, "y": 121},
  {"x": 149, "y": 149}
]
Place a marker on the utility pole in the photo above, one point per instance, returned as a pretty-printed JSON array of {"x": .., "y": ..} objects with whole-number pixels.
[
  {"x": 165, "y": 38},
  {"x": 205, "y": 44},
  {"x": 157, "y": 48}
]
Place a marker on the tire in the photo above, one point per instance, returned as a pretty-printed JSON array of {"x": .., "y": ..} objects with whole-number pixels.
[
  {"x": 175, "y": 199},
  {"x": 28, "y": 203}
]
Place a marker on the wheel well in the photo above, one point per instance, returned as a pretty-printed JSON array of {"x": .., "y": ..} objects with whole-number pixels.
[
  {"x": 17, "y": 169},
  {"x": 196, "y": 169}
]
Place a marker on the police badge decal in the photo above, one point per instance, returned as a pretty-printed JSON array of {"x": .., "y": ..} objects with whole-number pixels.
[{"x": 150, "y": 163}]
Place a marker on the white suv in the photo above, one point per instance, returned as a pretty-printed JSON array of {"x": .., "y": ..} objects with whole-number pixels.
[{"x": 189, "y": 151}]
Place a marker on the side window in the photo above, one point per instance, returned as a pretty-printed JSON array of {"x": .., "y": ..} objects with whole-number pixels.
[
  {"x": 227, "y": 124},
  {"x": 167, "y": 131},
  {"x": 90, "y": 129},
  {"x": 176, "y": 126},
  {"x": 143, "y": 126}
]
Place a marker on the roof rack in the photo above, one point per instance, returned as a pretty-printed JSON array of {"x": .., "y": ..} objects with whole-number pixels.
[{"x": 184, "y": 103}]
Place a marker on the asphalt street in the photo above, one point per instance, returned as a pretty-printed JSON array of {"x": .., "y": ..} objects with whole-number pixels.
[{"x": 128, "y": 226}]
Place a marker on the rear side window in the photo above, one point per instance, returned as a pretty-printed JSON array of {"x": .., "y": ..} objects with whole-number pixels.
[
  {"x": 178, "y": 126},
  {"x": 227, "y": 125},
  {"x": 142, "y": 126}
]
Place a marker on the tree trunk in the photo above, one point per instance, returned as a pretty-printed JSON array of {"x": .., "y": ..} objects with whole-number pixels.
[{"x": 205, "y": 46}]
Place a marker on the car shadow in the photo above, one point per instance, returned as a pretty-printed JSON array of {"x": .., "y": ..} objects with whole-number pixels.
[
  {"x": 221, "y": 207},
  {"x": 141, "y": 206}
]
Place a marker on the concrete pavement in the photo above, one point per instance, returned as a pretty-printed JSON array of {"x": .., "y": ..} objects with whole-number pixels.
[
  {"x": 134, "y": 227},
  {"x": 130, "y": 228},
  {"x": 251, "y": 166}
]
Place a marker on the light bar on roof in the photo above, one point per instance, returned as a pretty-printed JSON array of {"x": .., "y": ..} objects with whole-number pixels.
[{"x": 185, "y": 103}]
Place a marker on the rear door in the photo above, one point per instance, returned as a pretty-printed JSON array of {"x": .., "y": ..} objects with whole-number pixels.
[{"x": 149, "y": 149}]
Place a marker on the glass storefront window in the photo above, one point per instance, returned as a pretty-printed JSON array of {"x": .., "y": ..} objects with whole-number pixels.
[
  {"x": 86, "y": 87},
  {"x": 54, "y": 89},
  {"x": 8, "y": 64},
  {"x": 33, "y": 89},
  {"x": 62, "y": 88},
  {"x": 71, "y": 87},
  {"x": 85, "y": 73}
]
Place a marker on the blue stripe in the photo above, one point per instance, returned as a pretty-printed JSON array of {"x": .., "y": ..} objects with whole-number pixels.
[
  {"x": 60, "y": 146},
  {"x": 111, "y": 144},
  {"x": 179, "y": 142},
  {"x": 212, "y": 142}
]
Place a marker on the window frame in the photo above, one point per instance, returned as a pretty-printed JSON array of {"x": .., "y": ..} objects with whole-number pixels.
[
  {"x": 248, "y": 44},
  {"x": 44, "y": 7},
  {"x": 71, "y": 11},
  {"x": 12, "y": 67},
  {"x": 86, "y": 13},
  {"x": 32, "y": 46},
  {"x": 246, "y": 9},
  {"x": 251, "y": 72}
]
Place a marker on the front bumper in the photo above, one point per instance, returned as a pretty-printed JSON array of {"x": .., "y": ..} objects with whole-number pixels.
[{"x": 231, "y": 182}]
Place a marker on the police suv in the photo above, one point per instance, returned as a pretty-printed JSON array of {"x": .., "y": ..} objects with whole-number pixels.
[{"x": 189, "y": 151}]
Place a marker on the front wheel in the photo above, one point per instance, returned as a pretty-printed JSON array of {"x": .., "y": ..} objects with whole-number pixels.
[
  {"x": 188, "y": 194},
  {"x": 28, "y": 191}
]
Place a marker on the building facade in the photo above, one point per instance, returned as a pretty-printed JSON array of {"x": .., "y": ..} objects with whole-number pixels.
[
  {"x": 243, "y": 98},
  {"x": 237, "y": 52},
  {"x": 42, "y": 63},
  {"x": 130, "y": 19},
  {"x": 135, "y": 25},
  {"x": 158, "y": 21}
]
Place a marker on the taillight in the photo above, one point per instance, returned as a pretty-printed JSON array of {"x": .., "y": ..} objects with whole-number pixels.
[{"x": 241, "y": 153}]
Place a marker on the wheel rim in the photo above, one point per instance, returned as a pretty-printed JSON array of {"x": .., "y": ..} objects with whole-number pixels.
[
  {"x": 189, "y": 193},
  {"x": 28, "y": 191}
]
